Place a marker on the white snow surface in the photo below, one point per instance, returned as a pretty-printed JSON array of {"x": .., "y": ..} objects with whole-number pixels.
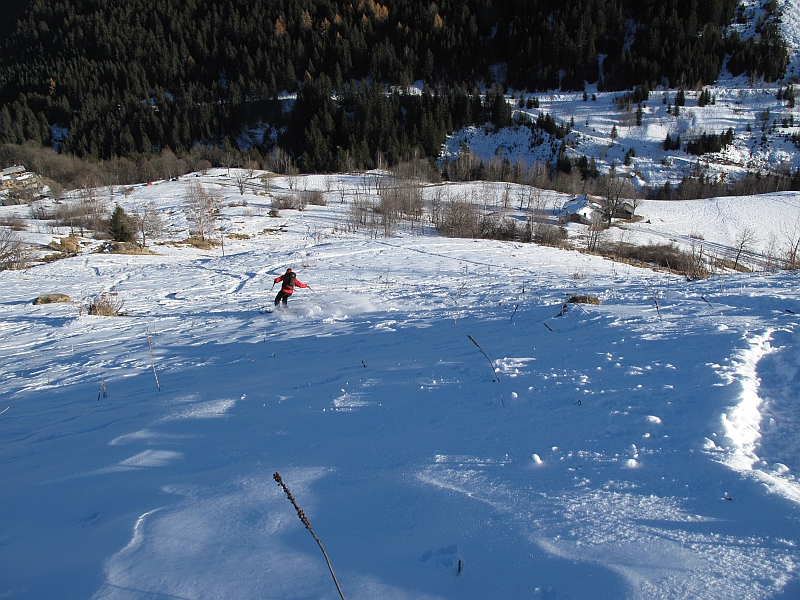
[{"x": 641, "y": 448}]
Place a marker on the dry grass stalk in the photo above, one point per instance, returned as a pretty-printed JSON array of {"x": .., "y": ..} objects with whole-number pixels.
[
  {"x": 491, "y": 364},
  {"x": 304, "y": 519},
  {"x": 152, "y": 360}
]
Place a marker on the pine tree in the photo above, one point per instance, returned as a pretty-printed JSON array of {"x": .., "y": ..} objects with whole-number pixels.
[{"x": 119, "y": 227}]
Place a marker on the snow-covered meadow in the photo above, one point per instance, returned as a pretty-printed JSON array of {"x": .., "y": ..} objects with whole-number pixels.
[{"x": 641, "y": 448}]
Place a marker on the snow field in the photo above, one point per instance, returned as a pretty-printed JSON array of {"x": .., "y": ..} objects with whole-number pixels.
[{"x": 595, "y": 464}]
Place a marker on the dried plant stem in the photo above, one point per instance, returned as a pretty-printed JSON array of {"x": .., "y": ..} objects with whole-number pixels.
[
  {"x": 304, "y": 519},
  {"x": 491, "y": 364},
  {"x": 152, "y": 360}
]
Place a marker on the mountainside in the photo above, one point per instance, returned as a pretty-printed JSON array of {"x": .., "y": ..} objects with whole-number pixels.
[{"x": 136, "y": 78}]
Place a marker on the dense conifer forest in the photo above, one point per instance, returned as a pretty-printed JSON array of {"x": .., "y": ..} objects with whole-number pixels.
[{"x": 129, "y": 79}]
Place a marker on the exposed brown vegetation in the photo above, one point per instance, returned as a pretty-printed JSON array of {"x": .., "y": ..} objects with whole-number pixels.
[
  {"x": 106, "y": 304},
  {"x": 52, "y": 299},
  {"x": 584, "y": 300},
  {"x": 69, "y": 245}
]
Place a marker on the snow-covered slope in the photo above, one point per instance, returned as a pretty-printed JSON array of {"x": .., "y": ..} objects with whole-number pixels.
[{"x": 641, "y": 448}]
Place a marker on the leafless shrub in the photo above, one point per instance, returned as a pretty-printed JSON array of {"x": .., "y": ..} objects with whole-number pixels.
[
  {"x": 388, "y": 212},
  {"x": 13, "y": 222},
  {"x": 745, "y": 239},
  {"x": 593, "y": 237},
  {"x": 289, "y": 202},
  {"x": 86, "y": 213},
  {"x": 791, "y": 246},
  {"x": 40, "y": 210},
  {"x": 280, "y": 161},
  {"x": 14, "y": 253},
  {"x": 547, "y": 234},
  {"x": 460, "y": 218},
  {"x": 105, "y": 304},
  {"x": 313, "y": 197},
  {"x": 691, "y": 264},
  {"x": 360, "y": 213},
  {"x": 495, "y": 226},
  {"x": 417, "y": 170}
]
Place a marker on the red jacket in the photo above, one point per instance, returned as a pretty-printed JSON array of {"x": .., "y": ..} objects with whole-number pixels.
[{"x": 289, "y": 289}]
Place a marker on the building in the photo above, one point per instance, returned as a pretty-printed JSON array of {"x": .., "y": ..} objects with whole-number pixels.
[
  {"x": 16, "y": 180},
  {"x": 584, "y": 209}
]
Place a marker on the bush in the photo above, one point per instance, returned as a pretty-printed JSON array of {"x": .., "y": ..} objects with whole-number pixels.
[
  {"x": 546, "y": 234},
  {"x": 690, "y": 264},
  {"x": 289, "y": 202},
  {"x": 107, "y": 304},
  {"x": 313, "y": 197},
  {"x": 459, "y": 219}
]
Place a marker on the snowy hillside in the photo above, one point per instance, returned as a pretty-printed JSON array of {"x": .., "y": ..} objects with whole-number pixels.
[
  {"x": 749, "y": 111},
  {"x": 643, "y": 448},
  {"x": 762, "y": 124}
]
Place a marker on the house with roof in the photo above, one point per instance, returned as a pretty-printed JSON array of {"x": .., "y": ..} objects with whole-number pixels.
[
  {"x": 16, "y": 180},
  {"x": 590, "y": 210},
  {"x": 584, "y": 209},
  {"x": 9, "y": 175}
]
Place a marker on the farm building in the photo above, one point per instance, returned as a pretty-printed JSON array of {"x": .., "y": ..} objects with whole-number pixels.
[
  {"x": 590, "y": 210},
  {"x": 584, "y": 209}
]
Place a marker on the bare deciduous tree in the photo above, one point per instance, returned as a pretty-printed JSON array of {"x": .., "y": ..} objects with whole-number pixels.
[
  {"x": 241, "y": 178},
  {"x": 149, "y": 222},
  {"x": 201, "y": 207},
  {"x": 617, "y": 190},
  {"x": 280, "y": 161},
  {"x": 791, "y": 253},
  {"x": 744, "y": 240},
  {"x": 14, "y": 254}
]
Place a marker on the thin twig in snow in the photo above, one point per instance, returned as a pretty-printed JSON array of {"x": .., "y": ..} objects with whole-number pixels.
[
  {"x": 152, "y": 360},
  {"x": 304, "y": 519},
  {"x": 491, "y": 364}
]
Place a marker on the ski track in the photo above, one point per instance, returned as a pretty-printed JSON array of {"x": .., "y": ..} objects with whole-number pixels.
[{"x": 593, "y": 461}]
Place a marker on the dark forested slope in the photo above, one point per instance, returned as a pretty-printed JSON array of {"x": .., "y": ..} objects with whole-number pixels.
[{"x": 129, "y": 78}]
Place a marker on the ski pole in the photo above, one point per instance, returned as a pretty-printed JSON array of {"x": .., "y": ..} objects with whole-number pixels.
[{"x": 312, "y": 289}]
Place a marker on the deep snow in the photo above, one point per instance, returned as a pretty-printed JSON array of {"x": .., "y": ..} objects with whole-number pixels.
[{"x": 642, "y": 448}]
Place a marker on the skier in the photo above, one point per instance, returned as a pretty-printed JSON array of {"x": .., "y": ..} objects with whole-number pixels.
[{"x": 288, "y": 282}]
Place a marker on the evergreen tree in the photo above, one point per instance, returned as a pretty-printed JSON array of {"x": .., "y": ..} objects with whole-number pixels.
[{"x": 120, "y": 227}]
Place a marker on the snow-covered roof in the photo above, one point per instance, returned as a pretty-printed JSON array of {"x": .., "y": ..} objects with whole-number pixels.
[
  {"x": 12, "y": 170},
  {"x": 586, "y": 207}
]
